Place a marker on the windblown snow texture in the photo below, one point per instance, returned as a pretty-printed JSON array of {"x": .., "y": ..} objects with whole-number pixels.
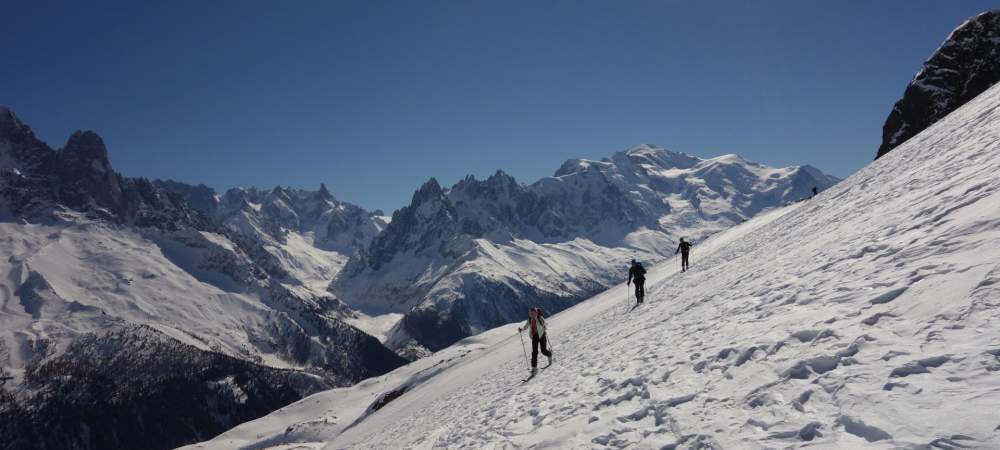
[
  {"x": 462, "y": 260},
  {"x": 864, "y": 318},
  {"x": 965, "y": 65}
]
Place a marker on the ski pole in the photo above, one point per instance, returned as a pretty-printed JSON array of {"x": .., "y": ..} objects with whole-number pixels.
[
  {"x": 522, "y": 348},
  {"x": 628, "y": 294}
]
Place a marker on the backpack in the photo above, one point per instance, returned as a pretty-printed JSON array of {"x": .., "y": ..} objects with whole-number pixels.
[{"x": 540, "y": 321}]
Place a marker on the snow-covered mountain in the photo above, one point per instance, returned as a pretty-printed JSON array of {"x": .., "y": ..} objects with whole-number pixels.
[
  {"x": 162, "y": 323},
  {"x": 862, "y": 318},
  {"x": 966, "y": 64},
  {"x": 110, "y": 280},
  {"x": 463, "y": 260},
  {"x": 330, "y": 224},
  {"x": 307, "y": 235}
]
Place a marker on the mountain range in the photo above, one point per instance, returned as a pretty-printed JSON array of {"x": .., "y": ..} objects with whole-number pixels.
[
  {"x": 862, "y": 318},
  {"x": 465, "y": 259},
  {"x": 141, "y": 313},
  {"x": 266, "y": 296}
]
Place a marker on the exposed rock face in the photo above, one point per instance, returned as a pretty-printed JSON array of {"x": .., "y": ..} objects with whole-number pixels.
[
  {"x": 199, "y": 197},
  {"x": 18, "y": 146},
  {"x": 36, "y": 181},
  {"x": 85, "y": 173},
  {"x": 427, "y": 222},
  {"x": 226, "y": 286},
  {"x": 965, "y": 65}
]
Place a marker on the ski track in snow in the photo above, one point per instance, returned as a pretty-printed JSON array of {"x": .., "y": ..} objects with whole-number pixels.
[{"x": 866, "y": 317}]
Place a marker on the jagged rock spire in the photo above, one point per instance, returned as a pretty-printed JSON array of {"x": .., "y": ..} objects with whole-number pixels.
[{"x": 324, "y": 193}]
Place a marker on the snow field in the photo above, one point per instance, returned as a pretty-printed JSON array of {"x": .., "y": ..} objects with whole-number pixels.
[{"x": 865, "y": 317}]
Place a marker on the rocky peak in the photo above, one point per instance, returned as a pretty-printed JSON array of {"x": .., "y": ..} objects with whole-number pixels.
[
  {"x": 279, "y": 193},
  {"x": 8, "y": 120},
  {"x": 323, "y": 193},
  {"x": 419, "y": 226},
  {"x": 965, "y": 65},
  {"x": 235, "y": 198},
  {"x": 80, "y": 177},
  {"x": 85, "y": 149},
  {"x": 568, "y": 167},
  {"x": 85, "y": 175},
  {"x": 430, "y": 190},
  {"x": 23, "y": 151},
  {"x": 501, "y": 178},
  {"x": 494, "y": 187},
  {"x": 200, "y": 197}
]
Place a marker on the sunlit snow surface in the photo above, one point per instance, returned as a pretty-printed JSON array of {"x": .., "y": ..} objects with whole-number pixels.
[
  {"x": 91, "y": 277},
  {"x": 867, "y": 317}
]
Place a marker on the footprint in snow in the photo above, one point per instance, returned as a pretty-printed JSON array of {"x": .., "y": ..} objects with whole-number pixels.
[{"x": 919, "y": 366}]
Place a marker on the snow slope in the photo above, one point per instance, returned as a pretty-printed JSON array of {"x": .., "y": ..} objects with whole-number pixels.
[
  {"x": 305, "y": 237},
  {"x": 64, "y": 280},
  {"x": 863, "y": 318}
]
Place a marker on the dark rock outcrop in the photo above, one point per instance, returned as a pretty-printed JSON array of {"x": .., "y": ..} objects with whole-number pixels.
[
  {"x": 965, "y": 65},
  {"x": 36, "y": 180},
  {"x": 136, "y": 388},
  {"x": 200, "y": 197}
]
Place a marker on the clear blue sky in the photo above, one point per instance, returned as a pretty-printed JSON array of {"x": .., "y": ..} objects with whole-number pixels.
[{"x": 375, "y": 97}]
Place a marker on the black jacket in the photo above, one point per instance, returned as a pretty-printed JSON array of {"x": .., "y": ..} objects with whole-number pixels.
[{"x": 638, "y": 272}]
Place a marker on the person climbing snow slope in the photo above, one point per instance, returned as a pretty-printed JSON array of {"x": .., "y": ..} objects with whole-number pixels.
[
  {"x": 536, "y": 325},
  {"x": 638, "y": 273},
  {"x": 685, "y": 248}
]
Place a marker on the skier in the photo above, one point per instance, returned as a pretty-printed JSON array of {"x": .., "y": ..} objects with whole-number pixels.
[
  {"x": 536, "y": 323},
  {"x": 638, "y": 273},
  {"x": 815, "y": 191},
  {"x": 685, "y": 248}
]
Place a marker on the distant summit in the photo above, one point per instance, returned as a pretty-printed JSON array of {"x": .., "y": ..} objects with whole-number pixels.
[
  {"x": 966, "y": 64},
  {"x": 461, "y": 260}
]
